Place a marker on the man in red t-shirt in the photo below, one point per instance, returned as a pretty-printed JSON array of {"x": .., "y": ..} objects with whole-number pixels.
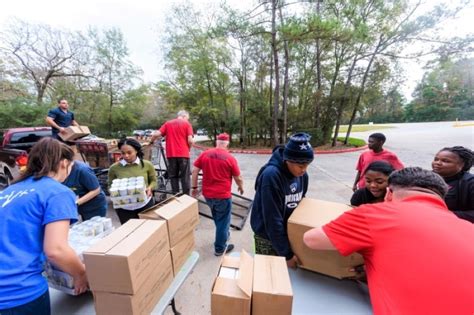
[
  {"x": 376, "y": 153},
  {"x": 418, "y": 255},
  {"x": 218, "y": 168},
  {"x": 179, "y": 139}
]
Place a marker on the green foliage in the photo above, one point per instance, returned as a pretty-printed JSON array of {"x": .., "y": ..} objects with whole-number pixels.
[
  {"x": 22, "y": 112},
  {"x": 355, "y": 142}
]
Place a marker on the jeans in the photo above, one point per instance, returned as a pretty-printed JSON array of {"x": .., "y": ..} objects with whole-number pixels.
[
  {"x": 39, "y": 306},
  {"x": 221, "y": 212},
  {"x": 125, "y": 215},
  {"x": 178, "y": 170}
]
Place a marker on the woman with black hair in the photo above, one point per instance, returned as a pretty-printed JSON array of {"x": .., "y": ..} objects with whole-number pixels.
[
  {"x": 132, "y": 164},
  {"x": 376, "y": 183},
  {"x": 453, "y": 164}
]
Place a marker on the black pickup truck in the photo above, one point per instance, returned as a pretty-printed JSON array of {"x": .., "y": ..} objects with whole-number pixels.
[{"x": 15, "y": 143}]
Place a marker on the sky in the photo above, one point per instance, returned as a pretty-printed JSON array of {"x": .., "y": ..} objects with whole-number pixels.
[{"x": 143, "y": 21}]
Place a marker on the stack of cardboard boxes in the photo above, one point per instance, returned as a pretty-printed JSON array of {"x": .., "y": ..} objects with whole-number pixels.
[{"x": 129, "y": 270}]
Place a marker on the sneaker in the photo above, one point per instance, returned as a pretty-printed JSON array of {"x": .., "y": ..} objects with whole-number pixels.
[{"x": 229, "y": 248}]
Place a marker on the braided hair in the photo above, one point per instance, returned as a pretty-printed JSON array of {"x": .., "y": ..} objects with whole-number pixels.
[
  {"x": 465, "y": 154},
  {"x": 134, "y": 144}
]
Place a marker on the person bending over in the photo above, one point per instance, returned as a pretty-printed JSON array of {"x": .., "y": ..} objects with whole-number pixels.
[{"x": 418, "y": 254}]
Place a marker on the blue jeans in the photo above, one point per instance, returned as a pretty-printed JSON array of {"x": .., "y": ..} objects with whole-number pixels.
[
  {"x": 221, "y": 212},
  {"x": 39, "y": 306},
  {"x": 99, "y": 211}
]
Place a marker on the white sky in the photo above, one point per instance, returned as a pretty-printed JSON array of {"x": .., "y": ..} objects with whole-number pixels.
[{"x": 142, "y": 22}]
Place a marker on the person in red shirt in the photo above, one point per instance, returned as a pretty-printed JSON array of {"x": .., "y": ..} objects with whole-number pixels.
[
  {"x": 376, "y": 153},
  {"x": 418, "y": 255},
  {"x": 218, "y": 168},
  {"x": 179, "y": 139}
]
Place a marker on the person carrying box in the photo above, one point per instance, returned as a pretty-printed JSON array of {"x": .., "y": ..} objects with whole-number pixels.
[{"x": 60, "y": 118}]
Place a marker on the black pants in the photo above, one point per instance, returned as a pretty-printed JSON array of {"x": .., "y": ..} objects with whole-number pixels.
[
  {"x": 179, "y": 170},
  {"x": 39, "y": 306},
  {"x": 125, "y": 215}
]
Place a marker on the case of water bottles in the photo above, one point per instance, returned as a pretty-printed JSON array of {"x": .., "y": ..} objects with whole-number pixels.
[
  {"x": 127, "y": 191},
  {"x": 81, "y": 237}
]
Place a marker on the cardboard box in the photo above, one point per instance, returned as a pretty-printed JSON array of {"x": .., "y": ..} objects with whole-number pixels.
[
  {"x": 312, "y": 213},
  {"x": 181, "y": 213},
  {"x": 181, "y": 251},
  {"x": 146, "y": 298},
  {"x": 272, "y": 293},
  {"x": 74, "y": 132},
  {"x": 123, "y": 261},
  {"x": 232, "y": 289}
]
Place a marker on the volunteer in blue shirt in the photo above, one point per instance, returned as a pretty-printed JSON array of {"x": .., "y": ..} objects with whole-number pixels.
[
  {"x": 35, "y": 213},
  {"x": 91, "y": 199},
  {"x": 60, "y": 118},
  {"x": 280, "y": 186}
]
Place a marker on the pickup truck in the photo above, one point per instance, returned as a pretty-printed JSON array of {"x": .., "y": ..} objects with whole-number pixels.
[{"x": 15, "y": 143}]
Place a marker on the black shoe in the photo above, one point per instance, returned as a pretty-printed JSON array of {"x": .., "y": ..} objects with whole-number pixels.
[{"x": 229, "y": 248}]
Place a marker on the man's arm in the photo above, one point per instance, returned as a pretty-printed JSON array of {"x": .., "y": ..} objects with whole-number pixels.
[
  {"x": 354, "y": 187},
  {"x": 74, "y": 123},
  {"x": 90, "y": 195},
  {"x": 190, "y": 141},
  {"x": 156, "y": 135},
  {"x": 240, "y": 183},
  {"x": 50, "y": 122},
  {"x": 194, "y": 181},
  {"x": 317, "y": 239}
]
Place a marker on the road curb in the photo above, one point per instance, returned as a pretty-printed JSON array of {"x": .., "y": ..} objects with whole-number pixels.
[{"x": 269, "y": 151}]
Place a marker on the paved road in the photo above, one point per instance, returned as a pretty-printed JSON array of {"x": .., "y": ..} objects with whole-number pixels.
[{"x": 332, "y": 175}]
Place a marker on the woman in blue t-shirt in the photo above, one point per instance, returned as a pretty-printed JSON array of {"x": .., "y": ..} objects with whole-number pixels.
[
  {"x": 91, "y": 199},
  {"x": 35, "y": 213}
]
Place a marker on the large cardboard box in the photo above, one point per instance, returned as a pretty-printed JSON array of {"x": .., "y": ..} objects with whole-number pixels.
[
  {"x": 232, "y": 289},
  {"x": 74, "y": 132},
  {"x": 146, "y": 298},
  {"x": 272, "y": 293},
  {"x": 181, "y": 251},
  {"x": 123, "y": 261},
  {"x": 312, "y": 213},
  {"x": 181, "y": 213}
]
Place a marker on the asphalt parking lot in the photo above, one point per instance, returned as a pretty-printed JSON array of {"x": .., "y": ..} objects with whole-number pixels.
[{"x": 331, "y": 178}]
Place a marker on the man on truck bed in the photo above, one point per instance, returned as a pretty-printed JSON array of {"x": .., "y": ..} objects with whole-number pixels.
[{"x": 60, "y": 118}]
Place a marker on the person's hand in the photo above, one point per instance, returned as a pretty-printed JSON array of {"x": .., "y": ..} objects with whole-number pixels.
[
  {"x": 293, "y": 262},
  {"x": 80, "y": 283},
  {"x": 194, "y": 192},
  {"x": 359, "y": 271},
  {"x": 354, "y": 188},
  {"x": 241, "y": 190},
  {"x": 149, "y": 192},
  {"x": 61, "y": 129}
]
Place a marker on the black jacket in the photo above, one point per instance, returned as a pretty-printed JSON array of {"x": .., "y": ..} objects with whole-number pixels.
[{"x": 460, "y": 196}]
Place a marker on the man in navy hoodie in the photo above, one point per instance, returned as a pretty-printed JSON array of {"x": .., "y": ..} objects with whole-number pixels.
[{"x": 280, "y": 186}]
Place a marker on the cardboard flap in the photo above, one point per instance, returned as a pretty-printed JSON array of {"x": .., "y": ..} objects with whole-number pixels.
[
  {"x": 245, "y": 273},
  {"x": 230, "y": 261},
  {"x": 315, "y": 213},
  {"x": 111, "y": 240},
  {"x": 169, "y": 210}
]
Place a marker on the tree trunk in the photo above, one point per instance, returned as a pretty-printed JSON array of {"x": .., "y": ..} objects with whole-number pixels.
[
  {"x": 276, "y": 97},
  {"x": 285, "y": 87}
]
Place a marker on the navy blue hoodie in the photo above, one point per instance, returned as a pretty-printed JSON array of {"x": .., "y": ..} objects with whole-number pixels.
[{"x": 277, "y": 194}]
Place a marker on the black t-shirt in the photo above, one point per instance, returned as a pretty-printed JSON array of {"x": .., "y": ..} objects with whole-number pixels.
[
  {"x": 362, "y": 196},
  {"x": 460, "y": 196}
]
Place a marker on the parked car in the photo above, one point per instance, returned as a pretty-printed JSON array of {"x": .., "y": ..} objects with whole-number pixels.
[
  {"x": 201, "y": 132},
  {"x": 138, "y": 133},
  {"x": 15, "y": 143}
]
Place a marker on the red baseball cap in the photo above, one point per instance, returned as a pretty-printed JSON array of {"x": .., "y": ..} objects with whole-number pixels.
[{"x": 223, "y": 137}]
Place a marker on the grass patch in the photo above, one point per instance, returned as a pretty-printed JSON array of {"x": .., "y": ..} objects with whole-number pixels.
[
  {"x": 353, "y": 142},
  {"x": 362, "y": 128}
]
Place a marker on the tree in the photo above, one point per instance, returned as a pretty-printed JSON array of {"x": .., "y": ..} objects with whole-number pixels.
[{"x": 42, "y": 54}]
